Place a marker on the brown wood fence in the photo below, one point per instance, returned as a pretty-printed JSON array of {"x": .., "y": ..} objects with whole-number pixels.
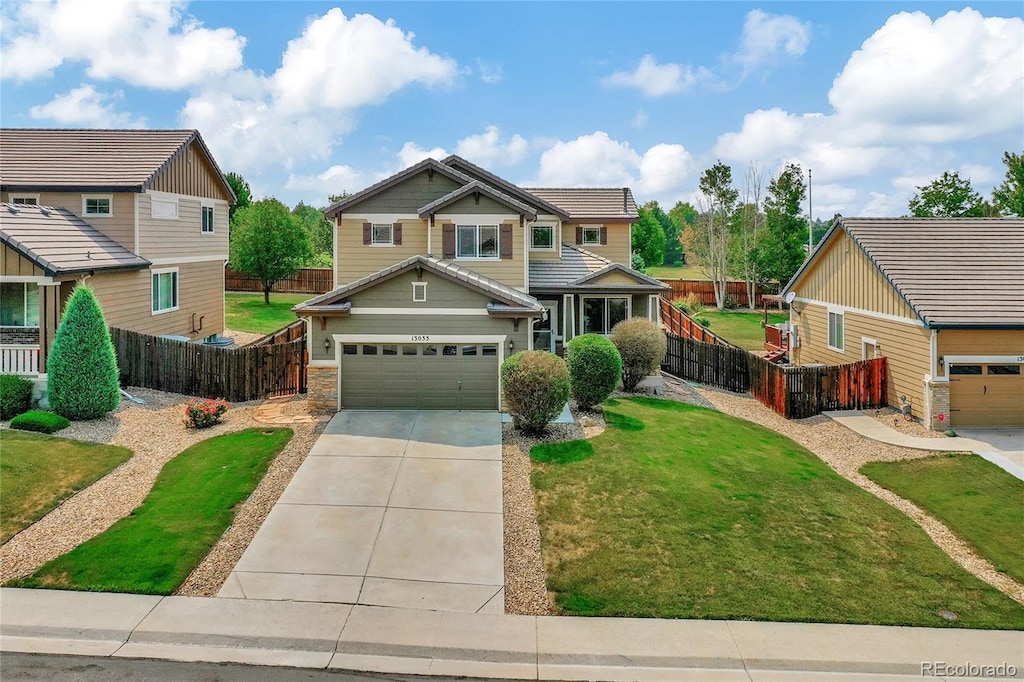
[
  {"x": 305, "y": 281},
  {"x": 292, "y": 332},
  {"x": 793, "y": 392},
  {"x": 681, "y": 324},
  {"x": 681, "y": 288},
  {"x": 235, "y": 374}
]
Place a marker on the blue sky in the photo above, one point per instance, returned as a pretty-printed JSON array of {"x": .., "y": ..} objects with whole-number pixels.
[{"x": 307, "y": 99}]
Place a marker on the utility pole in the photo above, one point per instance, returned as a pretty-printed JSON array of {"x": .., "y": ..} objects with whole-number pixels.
[{"x": 810, "y": 213}]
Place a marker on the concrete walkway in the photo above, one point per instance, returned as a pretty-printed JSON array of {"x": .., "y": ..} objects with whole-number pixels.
[
  {"x": 1002, "y": 447},
  {"x": 390, "y": 508}
]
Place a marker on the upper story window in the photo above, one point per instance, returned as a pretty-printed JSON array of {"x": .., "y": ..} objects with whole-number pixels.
[
  {"x": 477, "y": 241},
  {"x": 383, "y": 234},
  {"x": 591, "y": 236},
  {"x": 419, "y": 292},
  {"x": 25, "y": 199},
  {"x": 208, "y": 225},
  {"x": 165, "y": 290},
  {"x": 164, "y": 208},
  {"x": 835, "y": 330},
  {"x": 542, "y": 237},
  {"x": 98, "y": 205}
]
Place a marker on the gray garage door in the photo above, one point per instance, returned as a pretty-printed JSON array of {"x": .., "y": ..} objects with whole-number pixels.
[{"x": 419, "y": 376}]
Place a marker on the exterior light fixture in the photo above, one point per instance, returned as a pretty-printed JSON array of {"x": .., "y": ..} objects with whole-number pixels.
[{"x": 327, "y": 345}]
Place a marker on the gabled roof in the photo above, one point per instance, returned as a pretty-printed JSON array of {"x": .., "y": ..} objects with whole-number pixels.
[
  {"x": 488, "y": 177},
  {"x": 78, "y": 160},
  {"x": 513, "y": 299},
  {"x": 579, "y": 268},
  {"x": 426, "y": 164},
  {"x": 477, "y": 187},
  {"x": 61, "y": 243},
  {"x": 591, "y": 203},
  {"x": 953, "y": 272}
]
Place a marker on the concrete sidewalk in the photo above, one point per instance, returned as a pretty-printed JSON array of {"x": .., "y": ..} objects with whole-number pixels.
[
  {"x": 1002, "y": 447},
  {"x": 415, "y": 641}
]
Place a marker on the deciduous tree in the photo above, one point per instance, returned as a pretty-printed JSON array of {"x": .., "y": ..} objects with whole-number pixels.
[
  {"x": 747, "y": 226},
  {"x": 708, "y": 239},
  {"x": 648, "y": 238},
  {"x": 268, "y": 243},
  {"x": 673, "y": 233},
  {"x": 780, "y": 250},
  {"x": 1008, "y": 196},
  {"x": 319, "y": 229},
  {"x": 948, "y": 196}
]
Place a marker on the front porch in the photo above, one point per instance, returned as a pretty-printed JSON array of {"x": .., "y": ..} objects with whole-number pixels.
[{"x": 29, "y": 314}]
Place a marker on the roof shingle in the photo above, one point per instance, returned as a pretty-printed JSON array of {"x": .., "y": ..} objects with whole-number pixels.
[{"x": 590, "y": 203}]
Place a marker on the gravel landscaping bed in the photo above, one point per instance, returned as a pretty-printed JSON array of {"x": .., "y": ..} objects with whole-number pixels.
[
  {"x": 897, "y": 421},
  {"x": 241, "y": 338}
]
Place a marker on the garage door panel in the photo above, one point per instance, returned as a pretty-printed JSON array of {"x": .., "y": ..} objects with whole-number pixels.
[{"x": 992, "y": 397}]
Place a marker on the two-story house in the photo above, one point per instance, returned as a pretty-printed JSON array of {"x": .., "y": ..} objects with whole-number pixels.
[
  {"x": 140, "y": 215},
  {"x": 444, "y": 269}
]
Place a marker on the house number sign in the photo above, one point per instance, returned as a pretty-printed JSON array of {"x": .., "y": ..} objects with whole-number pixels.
[{"x": 420, "y": 338}]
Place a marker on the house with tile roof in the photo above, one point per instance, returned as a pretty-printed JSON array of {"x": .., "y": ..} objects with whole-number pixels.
[
  {"x": 444, "y": 269},
  {"x": 140, "y": 215},
  {"x": 941, "y": 298}
]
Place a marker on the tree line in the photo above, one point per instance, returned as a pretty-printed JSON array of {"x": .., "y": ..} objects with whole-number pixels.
[{"x": 951, "y": 196}]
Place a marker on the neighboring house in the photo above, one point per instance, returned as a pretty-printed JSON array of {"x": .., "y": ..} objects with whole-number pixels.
[
  {"x": 942, "y": 299},
  {"x": 444, "y": 269},
  {"x": 140, "y": 215}
]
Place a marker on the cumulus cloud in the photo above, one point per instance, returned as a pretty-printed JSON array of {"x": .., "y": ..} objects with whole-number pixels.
[
  {"x": 655, "y": 80},
  {"x": 334, "y": 180},
  {"x": 768, "y": 37},
  {"x": 148, "y": 44},
  {"x": 488, "y": 149},
  {"x": 84, "y": 106},
  {"x": 411, "y": 154}
]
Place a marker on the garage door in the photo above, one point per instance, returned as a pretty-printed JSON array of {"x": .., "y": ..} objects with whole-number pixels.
[
  {"x": 986, "y": 395},
  {"x": 419, "y": 376}
]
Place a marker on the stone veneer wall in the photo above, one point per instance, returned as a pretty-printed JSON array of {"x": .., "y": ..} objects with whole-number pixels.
[
  {"x": 937, "y": 394},
  {"x": 20, "y": 335},
  {"x": 322, "y": 388}
]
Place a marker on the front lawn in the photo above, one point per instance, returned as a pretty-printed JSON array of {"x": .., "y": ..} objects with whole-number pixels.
[
  {"x": 193, "y": 501},
  {"x": 39, "y": 472},
  {"x": 677, "y": 511},
  {"x": 979, "y": 501},
  {"x": 248, "y": 312},
  {"x": 741, "y": 327}
]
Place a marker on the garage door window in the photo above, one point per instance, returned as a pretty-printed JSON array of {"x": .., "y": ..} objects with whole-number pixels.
[
  {"x": 490, "y": 351},
  {"x": 969, "y": 370},
  {"x": 349, "y": 349},
  {"x": 430, "y": 350},
  {"x": 409, "y": 350},
  {"x": 1004, "y": 369},
  {"x": 390, "y": 350},
  {"x": 369, "y": 350}
]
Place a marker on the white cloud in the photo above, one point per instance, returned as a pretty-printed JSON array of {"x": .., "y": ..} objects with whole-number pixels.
[
  {"x": 148, "y": 44},
  {"x": 639, "y": 120},
  {"x": 487, "y": 148},
  {"x": 334, "y": 180},
  {"x": 490, "y": 72},
  {"x": 663, "y": 168},
  {"x": 768, "y": 37},
  {"x": 411, "y": 154},
  {"x": 84, "y": 106},
  {"x": 655, "y": 80}
]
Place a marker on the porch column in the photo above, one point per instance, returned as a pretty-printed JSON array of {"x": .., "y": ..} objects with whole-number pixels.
[
  {"x": 568, "y": 318},
  {"x": 49, "y": 318}
]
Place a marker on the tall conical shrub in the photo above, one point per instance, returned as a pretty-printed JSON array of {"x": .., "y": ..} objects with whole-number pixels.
[{"x": 82, "y": 376}]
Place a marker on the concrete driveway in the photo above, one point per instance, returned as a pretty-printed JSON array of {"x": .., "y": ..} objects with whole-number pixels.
[{"x": 390, "y": 508}]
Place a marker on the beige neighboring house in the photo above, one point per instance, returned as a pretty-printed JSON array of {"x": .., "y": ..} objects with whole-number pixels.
[
  {"x": 942, "y": 299},
  {"x": 444, "y": 269},
  {"x": 140, "y": 215}
]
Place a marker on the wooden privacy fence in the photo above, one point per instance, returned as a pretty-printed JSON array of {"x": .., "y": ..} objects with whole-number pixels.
[
  {"x": 681, "y": 324},
  {"x": 305, "y": 281},
  {"x": 235, "y": 374},
  {"x": 793, "y": 392},
  {"x": 681, "y": 288},
  {"x": 292, "y": 332}
]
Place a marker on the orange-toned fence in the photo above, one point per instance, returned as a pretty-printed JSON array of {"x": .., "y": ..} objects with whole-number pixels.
[
  {"x": 681, "y": 324},
  {"x": 681, "y": 288},
  {"x": 305, "y": 281}
]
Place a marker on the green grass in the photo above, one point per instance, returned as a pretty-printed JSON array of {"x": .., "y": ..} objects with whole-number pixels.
[
  {"x": 248, "y": 312},
  {"x": 741, "y": 327},
  {"x": 979, "y": 501},
  {"x": 683, "y": 512},
  {"x": 39, "y": 472},
  {"x": 193, "y": 501},
  {"x": 676, "y": 272}
]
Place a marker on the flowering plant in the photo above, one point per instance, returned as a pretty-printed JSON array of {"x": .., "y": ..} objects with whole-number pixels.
[{"x": 201, "y": 413}]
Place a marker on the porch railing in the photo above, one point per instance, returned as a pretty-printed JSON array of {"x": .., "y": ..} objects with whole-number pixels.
[{"x": 18, "y": 359}]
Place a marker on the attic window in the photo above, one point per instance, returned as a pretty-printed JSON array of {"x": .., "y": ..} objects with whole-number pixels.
[
  {"x": 419, "y": 292},
  {"x": 97, "y": 205},
  {"x": 25, "y": 199}
]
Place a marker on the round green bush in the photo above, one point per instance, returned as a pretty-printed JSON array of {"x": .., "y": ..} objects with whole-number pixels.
[
  {"x": 536, "y": 387},
  {"x": 83, "y": 380},
  {"x": 15, "y": 395},
  {"x": 642, "y": 345},
  {"x": 595, "y": 368},
  {"x": 40, "y": 421}
]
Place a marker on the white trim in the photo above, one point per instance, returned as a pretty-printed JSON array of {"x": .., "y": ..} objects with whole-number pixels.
[
  {"x": 26, "y": 279},
  {"x": 654, "y": 308},
  {"x": 866, "y": 341},
  {"x": 192, "y": 197},
  {"x": 333, "y": 364},
  {"x": 568, "y": 317},
  {"x": 203, "y": 206},
  {"x": 11, "y": 196},
  {"x": 533, "y": 226},
  {"x": 334, "y": 252},
  {"x": 551, "y": 307},
  {"x": 933, "y": 354},
  {"x": 417, "y": 311},
  {"x": 526, "y": 255},
  {"x": 629, "y": 310},
  {"x": 421, "y": 289},
  {"x": 108, "y": 197},
  {"x": 860, "y": 311},
  {"x": 391, "y": 234},
  {"x": 188, "y": 259},
  {"x": 983, "y": 359},
  {"x": 153, "y": 274},
  {"x": 583, "y": 236},
  {"x": 136, "y": 201},
  {"x": 835, "y": 310},
  {"x": 477, "y": 241}
]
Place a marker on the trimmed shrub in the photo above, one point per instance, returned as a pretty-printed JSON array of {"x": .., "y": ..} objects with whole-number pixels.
[
  {"x": 642, "y": 345},
  {"x": 536, "y": 388},
  {"x": 202, "y": 413},
  {"x": 83, "y": 381},
  {"x": 40, "y": 421},
  {"x": 15, "y": 395},
  {"x": 595, "y": 368}
]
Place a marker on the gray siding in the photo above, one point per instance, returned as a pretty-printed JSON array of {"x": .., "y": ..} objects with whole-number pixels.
[
  {"x": 470, "y": 205},
  {"x": 406, "y": 197},
  {"x": 441, "y": 293}
]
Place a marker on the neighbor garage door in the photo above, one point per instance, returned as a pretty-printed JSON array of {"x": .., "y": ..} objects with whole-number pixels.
[
  {"x": 986, "y": 395},
  {"x": 419, "y": 376}
]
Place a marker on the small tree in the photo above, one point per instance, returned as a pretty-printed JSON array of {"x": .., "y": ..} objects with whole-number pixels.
[
  {"x": 595, "y": 368},
  {"x": 83, "y": 380},
  {"x": 536, "y": 387},
  {"x": 642, "y": 345},
  {"x": 268, "y": 243}
]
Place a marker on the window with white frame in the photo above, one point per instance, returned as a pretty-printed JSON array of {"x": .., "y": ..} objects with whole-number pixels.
[
  {"x": 382, "y": 234},
  {"x": 601, "y": 314},
  {"x": 97, "y": 205},
  {"x": 476, "y": 241},
  {"x": 25, "y": 199},
  {"x": 542, "y": 237},
  {"x": 207, "y": 226},
  {"x": 419, "y": 292},
  {"x": 591, "y": 236},
  {"x": 164, "y": 208},
  {"x": 19, "y": 304},
  {"x": 835, "y": 330},
  {"x": 165, "y": 290}
]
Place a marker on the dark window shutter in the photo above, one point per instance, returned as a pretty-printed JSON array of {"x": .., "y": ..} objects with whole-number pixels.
[
  {"x": 604, "y": 235},
  {"x": 505, "y": 241},
  {"x": 396, "y": 236},
  {"x": 367, "y": 233},
  {"x": 448, "y": 240},
  {"x": 579, "y": 234}
]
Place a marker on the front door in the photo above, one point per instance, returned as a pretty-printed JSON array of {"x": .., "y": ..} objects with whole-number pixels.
[{"x": 544, "y": 331}]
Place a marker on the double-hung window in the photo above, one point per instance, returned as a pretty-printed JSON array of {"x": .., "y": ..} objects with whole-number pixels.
[
  {"x": 477, "y": 241},
  {"x": 19, "y": 304},
  {"x": 208, "y": 215},
  {"x": 382, "y": 234},
  {"x": 542, "y": 237},
  {"x": 835, "y": 330},
  {"x": 165, "y": 290},
  {"x": 601, "y": 314},
  {"x": 97, "y": 205},
  {"x": 591, "y": 236}
]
